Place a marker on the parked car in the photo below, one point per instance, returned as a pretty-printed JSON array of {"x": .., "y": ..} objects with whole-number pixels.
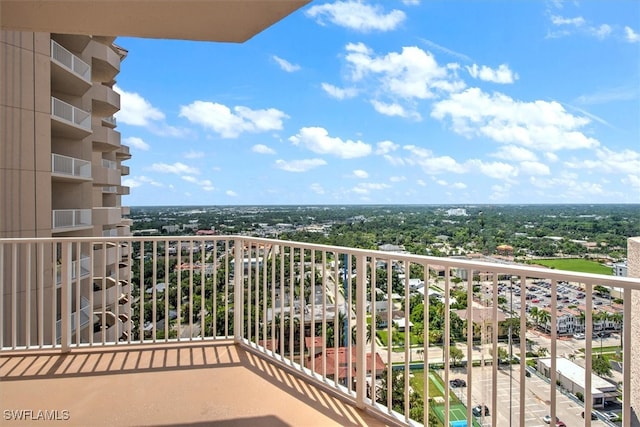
[
  {"x": 457, "y": 383},
  {"x": 477, "y": 410},
  {"x": 560, "y": 424},
  {"x": 547, "y": 419},
  {"x": 611, "y": 416},
  {"x": 579, "y": 336},
  {"x": 593, "y": 415}
]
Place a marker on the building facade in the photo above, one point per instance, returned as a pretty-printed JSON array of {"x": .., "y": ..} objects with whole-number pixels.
[{"x": 61, "y": 165}]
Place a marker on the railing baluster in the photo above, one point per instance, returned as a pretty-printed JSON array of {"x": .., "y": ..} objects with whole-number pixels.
[{"x": 65, "y": 329}]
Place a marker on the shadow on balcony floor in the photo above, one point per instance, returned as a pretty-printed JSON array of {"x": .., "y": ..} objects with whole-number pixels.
[{"x": 194, "y": 384}]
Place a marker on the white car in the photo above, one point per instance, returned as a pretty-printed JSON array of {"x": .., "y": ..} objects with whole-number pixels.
[
  {"x": 578, "y": 336},
  {"x": 610, "y": 416}
]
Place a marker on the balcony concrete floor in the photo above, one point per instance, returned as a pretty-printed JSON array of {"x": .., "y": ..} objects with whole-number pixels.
[{"x": 194, "y": 384}]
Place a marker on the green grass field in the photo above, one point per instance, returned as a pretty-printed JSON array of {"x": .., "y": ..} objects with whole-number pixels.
[{"x": 574, "y": 264}]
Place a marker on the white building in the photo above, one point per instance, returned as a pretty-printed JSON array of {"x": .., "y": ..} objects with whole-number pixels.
[{"x": 572, "y": 378}]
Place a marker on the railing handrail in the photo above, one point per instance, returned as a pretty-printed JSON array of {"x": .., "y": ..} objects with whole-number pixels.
[
  {"x": 79, "y": 167},
  {"x": 70, "y": 113},
  {"x": 513, "y": 269},
  {"x": 284, "y": 285},
  {"x": 72, "y": 61}
]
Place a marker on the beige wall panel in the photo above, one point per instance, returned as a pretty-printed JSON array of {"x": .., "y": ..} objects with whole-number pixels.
[
  {"x": 43, "y": 83},
  {"x": 43, "y": 141}
]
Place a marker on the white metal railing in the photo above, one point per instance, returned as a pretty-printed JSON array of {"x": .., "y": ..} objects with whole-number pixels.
[
  {"x": 110, "y": 189},
  {"x": 70, "y": 61},
  {"x": 70, "y": 166},
  {"x": 312, "y": 307},
  {"x": 79, "y": 269},
  {"x": 79, "y": 319},
  {"x": 63, "y": 218},
  {"x": 113, "y": 232},
  {"x": 69, "y": 113},
  {"x": 109, "y": 164},
  {"x": 111, "y": 120}
]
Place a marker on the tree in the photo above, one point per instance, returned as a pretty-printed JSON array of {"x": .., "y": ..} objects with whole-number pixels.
[
  {"x": 543, "y": 317},
  {"x": 455, "y": 354},
  {"x": 535, "y": 314},
  {"x": 601, "y": 366}
]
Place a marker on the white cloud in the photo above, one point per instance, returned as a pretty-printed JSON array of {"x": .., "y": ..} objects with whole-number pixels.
[
  {"x": 515, "y": 153},
  {"x": 367, "y": 187},
  {"x": 135, "y": 142},
  {"x": 411, "y": 2},
  {"x": 631, "y": 36},
  {"x": 609, "y": 161},
  {"x": 552, "y": 157},
  {"x": 409, "y": 74},
  {"x": 431, "y": 164},
  {"x": 559, "y": 20},
  {"x": 339, "y": 93},
  {"x": 177, "y": 168},
  {"x": 502, "y": 74},
  {"x": 534, "y": 168},
  {"x": 632, "y": 181},
  {"x": 286, "y": 65},
  {"x": 262, "y": 149},
  {"x": 539, "y": 125},
  {"x": 459, "y": 185},
  {"x": 394, "y": 110},
  {"x": 194, "y": 154},
  {"x": 497, "y": 170},
  {"x": 231, "y": 193},
  {"x": 138, "y": 181},
  {"x": 230, "y": 124},
  {"x": 317, "y": 139},
  {"x": 135, "y": 110},
  {"x": 317, "y": 188},
  {"x": 299, "y": 165},
  {"x": 567, "y": 187},
  {"x": 356, "y": 16},
  {"x": 602, "y": 31},
  {"x": 359, "y": 173},
  {"x": 206, "y": 184},
  {"x": 384, "y": 147},
  {"x": 397, "y": 178},
  {"x": 421, "y": 183}
]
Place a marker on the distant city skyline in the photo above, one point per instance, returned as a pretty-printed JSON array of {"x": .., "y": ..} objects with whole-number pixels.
[{"x": 406, "y": 102}]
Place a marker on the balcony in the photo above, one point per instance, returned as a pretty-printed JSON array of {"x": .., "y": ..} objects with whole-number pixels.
[
  {"x": 70, "y": 219},
  {"x": 105, "y": 61},
  {"x": 126, "y": 210},
  {"x": 124, "y": 170},
  {"x": 110, "y": 121},
  {"x": 105, "y": 100},
  {"x": 123, "y": 153},
  {"x": 107, "y": 216},
  {"x": 106, "y": 174},
  {"x": 68, "y": 121},
  {"x": 277, "y": 341},
  {"x": 69, "y": 74},
  {"x": 124, "y": 190},
  {"x": 65, "y": 168},
  {"x": 106, "y": 139}
]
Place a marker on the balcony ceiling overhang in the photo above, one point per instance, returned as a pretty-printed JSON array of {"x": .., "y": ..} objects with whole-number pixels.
[{"x": 210, "y": 20}]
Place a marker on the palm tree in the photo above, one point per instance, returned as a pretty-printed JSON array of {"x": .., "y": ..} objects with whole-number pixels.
[
  {"x": 618, "y": 318},
  {"x": 534, "y": 313},
  {"x": 544, "y": 317}
]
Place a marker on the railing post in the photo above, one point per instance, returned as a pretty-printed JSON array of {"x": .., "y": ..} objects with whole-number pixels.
[
  {"x": 238, "y": 305},
  {"x": 66, "y": 303},
  {"x": 361, "y": 332}
]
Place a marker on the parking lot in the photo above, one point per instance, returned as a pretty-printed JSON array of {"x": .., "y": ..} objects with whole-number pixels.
[{"x": 537, "y": 399}]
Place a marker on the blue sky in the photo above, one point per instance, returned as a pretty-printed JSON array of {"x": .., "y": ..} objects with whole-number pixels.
[{"x": 392, "y": 102}]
